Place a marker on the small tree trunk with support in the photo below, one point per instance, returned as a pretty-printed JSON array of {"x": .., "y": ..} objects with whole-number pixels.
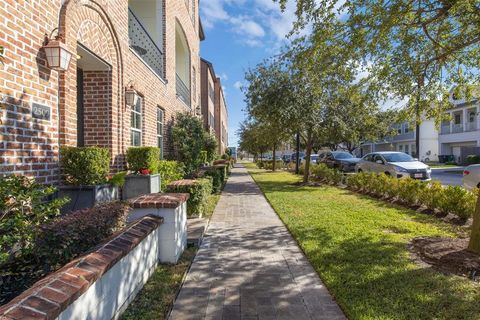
[
  {"x": 274, "y": 160},
  {"x": 308, "y": 152},
  {"x": 474, "y": 244}
]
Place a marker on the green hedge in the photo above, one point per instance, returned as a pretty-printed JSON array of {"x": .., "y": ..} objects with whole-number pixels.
[
  {"x": 268, "y": 164},
  {"x": 455, "y": 200},
  {"x": 218, "y": 174},
  {"x": 170, "y": 171},
  {"x": 70, "y": 235},
  {"x": 84, "y": 166},
  {"x": 472, "y": 159},
  {"x": 58, "y": 241},
  {"x": 199, "y": 193},
  {"x": 323, "y": 173},
  {"x": 143, "y": 158}
]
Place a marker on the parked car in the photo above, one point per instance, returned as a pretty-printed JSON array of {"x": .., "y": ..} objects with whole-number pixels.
[
  {"x": 287, "y": 158},
  {"x": 294, "y": 156},
  {"x": 340, "y": 160},
  {"x": 313, "y": 158},
  {"x": 395, "y": 164},
  {"x": 471, "y": 177}
]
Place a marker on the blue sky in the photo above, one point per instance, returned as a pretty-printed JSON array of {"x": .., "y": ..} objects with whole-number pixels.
[{"x": 240, "y": 34}]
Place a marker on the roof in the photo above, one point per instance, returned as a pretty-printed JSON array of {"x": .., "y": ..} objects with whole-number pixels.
[{"x": 210, "y": 67}]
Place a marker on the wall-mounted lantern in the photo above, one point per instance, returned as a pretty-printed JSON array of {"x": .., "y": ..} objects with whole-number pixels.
[
  {"x": 198, "y": 111},
  {"x": 131, "y": 96},
  {"x": 58, "y": 56}
]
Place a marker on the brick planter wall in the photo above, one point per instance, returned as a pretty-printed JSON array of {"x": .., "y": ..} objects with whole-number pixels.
[{"x": 99, "y": 285}]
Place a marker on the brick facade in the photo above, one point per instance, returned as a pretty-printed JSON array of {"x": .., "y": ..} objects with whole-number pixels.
[
  {"x": 221, "y": 118},
  {"x": 208, "y": 79},
  {"x": 30, "y": 146}
]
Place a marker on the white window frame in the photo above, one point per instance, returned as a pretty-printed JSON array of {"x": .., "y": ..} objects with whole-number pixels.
[
  {"x": 133, "y": 130},
  {"x": 160, "y": 121}
]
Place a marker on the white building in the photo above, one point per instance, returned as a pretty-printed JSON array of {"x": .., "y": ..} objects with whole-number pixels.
[
  {"x": 405, "y": 141},
  {"x": 460, "y": 137}
]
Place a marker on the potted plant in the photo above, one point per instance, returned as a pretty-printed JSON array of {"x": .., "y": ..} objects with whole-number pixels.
[
  {"x": 143, "y": 167},
  {"x": 85, "y": 171}
]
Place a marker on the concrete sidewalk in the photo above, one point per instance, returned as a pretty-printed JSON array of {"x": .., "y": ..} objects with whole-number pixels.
[{"x": 250, "y": 267}]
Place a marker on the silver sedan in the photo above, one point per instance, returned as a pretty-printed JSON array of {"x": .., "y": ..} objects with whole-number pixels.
[
  {"x": 471, "y": 177},
  {"x": 395, "y": 164}
]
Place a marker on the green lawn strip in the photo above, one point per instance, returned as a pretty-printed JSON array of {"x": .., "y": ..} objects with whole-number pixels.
[
  {"x": 157, "y": 296},
  {"x": 357, "y": 244},
  {"x": 211, "y": 204}
]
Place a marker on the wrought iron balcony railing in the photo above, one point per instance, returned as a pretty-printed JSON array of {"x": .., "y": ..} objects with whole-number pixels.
[
  {"x": 183, "y": 92},
  {"x": 143, "y": 45}
]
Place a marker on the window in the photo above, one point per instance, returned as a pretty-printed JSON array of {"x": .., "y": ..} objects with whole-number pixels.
[
  {"x": 406, "y": 128},
  {"x": 407, "y": 149},
  {"x": 160, "y": 130},
  {"x": 457, "y": 119},
  {"x": 399, "y": 129},
  {"x": 400, "y": 148},
  {"x": 136, "y": 123}
]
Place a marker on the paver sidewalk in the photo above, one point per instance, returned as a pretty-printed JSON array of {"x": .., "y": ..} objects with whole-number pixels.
[{"x": 249, "y": 266}]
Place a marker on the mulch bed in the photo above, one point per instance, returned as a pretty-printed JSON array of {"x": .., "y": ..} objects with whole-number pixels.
[{"x": 448, "y": 255}]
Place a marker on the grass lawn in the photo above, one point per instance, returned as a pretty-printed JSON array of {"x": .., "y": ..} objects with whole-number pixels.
[
  {"x": 211, "y": 204},
  {"x": 157, "y": 296},
  {"x": 358, "y": 245}
]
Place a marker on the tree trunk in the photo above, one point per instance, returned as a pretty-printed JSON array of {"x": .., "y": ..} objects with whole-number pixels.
[
  {"x": 273, "y": 158},
  {"x": 308, "y": 152},
  {"x": 474, "y": 244}
]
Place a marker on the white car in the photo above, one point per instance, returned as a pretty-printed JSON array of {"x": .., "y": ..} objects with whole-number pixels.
[
  {"x": 395, "y": 164},
  {"x": 471, "y": 177},
  {"x": 313, "y": 159}
]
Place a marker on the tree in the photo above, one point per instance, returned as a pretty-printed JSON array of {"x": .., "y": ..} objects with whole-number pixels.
[
  {"x": 189, "y": 140},
  {"x": 268, "y": 99},
  {"x": 356, "y": 117},
  {"x": 417, "y": 49}
]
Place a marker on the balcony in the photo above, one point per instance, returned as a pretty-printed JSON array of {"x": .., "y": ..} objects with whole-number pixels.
[
  {"x": 143, "y": 44},
  {"x": 471, "y": 126},
  {"x": 457, "y": 128},
  {"x": 183, "y": 92},
  {"x": 445, "y": 129}
]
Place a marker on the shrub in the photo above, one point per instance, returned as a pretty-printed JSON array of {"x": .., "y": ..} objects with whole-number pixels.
[
  {"x": 458, "y": 201},
  {"x": 268, "y": 164},
  {"x": 260, "y": 164},
  {"x": 472, "y": 159},
  {"x": 143, "y": 158},
  {"x": 85, "y": 165},
  {"x": 323, "y": 173},
  {"x": 409, "y": 190},
  {"x": 69, "y": 236},
  {"x": 199, "y": 192},
  {"x": 189, "y": 140},
  {"x": 218, "y": 174},
  {"x": 431, "y": 196},
  {"x": 170, "y": 171},
  {"x": 23, "y": 207},
  {"x": 301, "y": 169}
]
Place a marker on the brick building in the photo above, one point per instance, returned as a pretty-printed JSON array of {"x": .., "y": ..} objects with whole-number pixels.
[
  {"x": 221, "y": 117},
  {"x": 151, "y": 46},
  {"x": 207, "y": 82},
  {"x": 214, "y": 108}
]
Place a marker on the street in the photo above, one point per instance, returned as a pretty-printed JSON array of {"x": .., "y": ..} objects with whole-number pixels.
[{"x": 448, "y": 177}]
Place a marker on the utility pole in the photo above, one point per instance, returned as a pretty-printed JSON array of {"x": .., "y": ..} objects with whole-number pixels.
[{"x": 297, "y": 156}]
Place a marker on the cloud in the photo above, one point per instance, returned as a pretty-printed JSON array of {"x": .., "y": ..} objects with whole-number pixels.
[
  {"x": 223, "y": 76},
  {"x": 238, "y": 85}
]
